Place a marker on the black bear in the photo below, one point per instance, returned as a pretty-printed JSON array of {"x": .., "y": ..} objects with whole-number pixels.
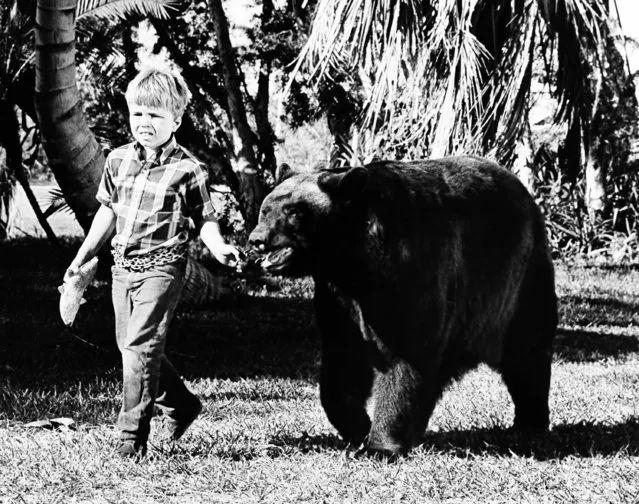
[{"x": 422, "y": 271}]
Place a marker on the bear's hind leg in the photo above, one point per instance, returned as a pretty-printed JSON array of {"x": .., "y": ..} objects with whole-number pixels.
[
  {"x": 527, "y": 378},
  {"x": 527, "y": 359}
]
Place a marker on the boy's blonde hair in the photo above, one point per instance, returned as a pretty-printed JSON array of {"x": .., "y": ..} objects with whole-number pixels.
[{"x": 159, "y": 87}]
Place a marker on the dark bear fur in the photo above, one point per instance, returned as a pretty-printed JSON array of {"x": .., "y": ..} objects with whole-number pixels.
[{"x": 422, "y": 271}]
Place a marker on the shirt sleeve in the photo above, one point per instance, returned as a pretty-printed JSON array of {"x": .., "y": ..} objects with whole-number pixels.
[
  {"x": 198, "y": 200},
  {"x": 106, "y": 187}
]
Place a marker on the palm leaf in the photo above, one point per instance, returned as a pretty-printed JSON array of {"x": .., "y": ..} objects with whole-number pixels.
[
  {"x": 574, "y": 37},
  {"x": 425, "y": 65},
  {"x": 120, "y": 9},
  {"x": 100, "y": 53},
  {"x": 55, "y": 203},
  {"x": 441, "y": 80},
  {"x": 16, "y": 31},
  {"x": 507, "y": 91}
]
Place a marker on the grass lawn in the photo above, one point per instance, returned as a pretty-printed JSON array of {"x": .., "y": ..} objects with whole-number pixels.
[{"x": 263, "y": 436}]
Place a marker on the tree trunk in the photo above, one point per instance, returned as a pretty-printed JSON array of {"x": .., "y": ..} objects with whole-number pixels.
[
  {"x": 22, "y": 91},
  {"x": 264, "y": 129},
  {"x": 74, "y": 155},
  {"x": 217, "y": 154},
  {"x": 42, "y": 220},
  {"x": 10, "y": 140},
  {"x": 595, "y": 176},
  {"x": 130, "y": 48},
  {"x": 262, "y": 122},
  {"x": 522, "y": 164},
  {"x": 251, "y": 188},
  {"x": 340, "y": 127},
  {"x": 441, "y": 140}
]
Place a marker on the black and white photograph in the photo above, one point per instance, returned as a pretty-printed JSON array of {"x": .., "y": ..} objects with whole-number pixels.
[{"x": 319, "y": 251}]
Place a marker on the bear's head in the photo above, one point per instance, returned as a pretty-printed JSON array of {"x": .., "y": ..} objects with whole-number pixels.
[{"x": 301, "y": 215}]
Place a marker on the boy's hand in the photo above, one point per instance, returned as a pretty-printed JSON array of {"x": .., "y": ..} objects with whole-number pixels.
[
  {"x": 74, "y": 267},
  {"x": 226, "y": 254},
  {"x": 72, "y": 270}
]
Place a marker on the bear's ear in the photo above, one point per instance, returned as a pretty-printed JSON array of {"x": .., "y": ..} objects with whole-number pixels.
[
  {"x": 346, "y": 185},
  {"x": 282, "y": 172},
  {"x": 353, "y": 181}
]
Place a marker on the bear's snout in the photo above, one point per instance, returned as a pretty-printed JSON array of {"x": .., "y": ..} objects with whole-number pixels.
[{"x": 257, "y": 238}]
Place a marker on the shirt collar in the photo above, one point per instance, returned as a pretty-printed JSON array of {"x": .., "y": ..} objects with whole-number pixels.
[{"x": 164, "y": 151}]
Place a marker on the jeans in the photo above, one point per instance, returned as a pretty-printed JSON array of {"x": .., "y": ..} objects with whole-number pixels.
[{"x": 144, "y": 304}]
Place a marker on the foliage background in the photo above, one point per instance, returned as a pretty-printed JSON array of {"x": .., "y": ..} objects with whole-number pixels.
[{"x": 305, "y": 119}]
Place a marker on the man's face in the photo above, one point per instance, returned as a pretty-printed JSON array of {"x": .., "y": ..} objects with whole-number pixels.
[{"x": 151, "y": 126}]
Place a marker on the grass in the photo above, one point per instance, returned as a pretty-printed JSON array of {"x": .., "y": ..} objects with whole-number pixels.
[{"x": 263, "y": 437}]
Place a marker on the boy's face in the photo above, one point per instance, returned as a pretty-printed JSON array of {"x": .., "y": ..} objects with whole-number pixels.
[{"x": 151, "y": 126}]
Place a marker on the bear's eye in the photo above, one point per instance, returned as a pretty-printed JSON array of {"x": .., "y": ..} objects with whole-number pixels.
[
  {"x": 266, "y": 209},
  {"x": 292, "y": 212}
]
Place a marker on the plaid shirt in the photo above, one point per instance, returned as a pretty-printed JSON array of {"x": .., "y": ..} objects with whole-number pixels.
[{"x": 153, "y": 198}]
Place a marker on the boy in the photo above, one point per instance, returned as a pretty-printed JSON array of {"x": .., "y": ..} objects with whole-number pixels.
[{"x": 149, "y": 190}]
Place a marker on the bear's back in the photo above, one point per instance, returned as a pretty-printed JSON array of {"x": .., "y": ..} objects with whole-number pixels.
[
  {"x": 455, "y": 181},
  {"x": 466, "y": 194}
]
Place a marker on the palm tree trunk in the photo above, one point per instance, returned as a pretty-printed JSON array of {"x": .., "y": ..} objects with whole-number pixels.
[
  {"x": 251, "y": 188},
  {"x": 74, "y": 155}
]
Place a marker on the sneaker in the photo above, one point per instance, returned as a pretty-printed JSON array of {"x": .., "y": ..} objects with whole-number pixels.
[
  {"x": 178, "y": 426},
  {"x": 130, "y": 450}
]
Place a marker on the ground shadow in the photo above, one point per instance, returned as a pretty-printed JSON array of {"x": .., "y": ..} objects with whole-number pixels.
[
  {"x": 579, "y": 440},
  {"x": 247, "y": 337},
  {"x": 567, "y": 440},
  {"x": 623, "y": 268},
  {"x": 588, "y": 311},
  {"x": 252, "y": 334},
  {"x": 278, "y": 446},
  {"x": 589, "y": 346},
  {"x": 242, "y": 336}
]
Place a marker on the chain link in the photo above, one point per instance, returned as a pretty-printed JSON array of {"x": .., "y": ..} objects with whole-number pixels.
[{"x": 151, "y": 260}]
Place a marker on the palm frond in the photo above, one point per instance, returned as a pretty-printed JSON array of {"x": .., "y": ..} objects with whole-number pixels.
[
  {"x": 507, "y": 92},
  {"x": 575, "y": 29},
  {"x": 119, "y": 9},
  {"x": 55, "y": 202},
  {"x": 99, "y": 51},
  {"x": 425, "y": 65},
  {"x": 16, "y": 31}
]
